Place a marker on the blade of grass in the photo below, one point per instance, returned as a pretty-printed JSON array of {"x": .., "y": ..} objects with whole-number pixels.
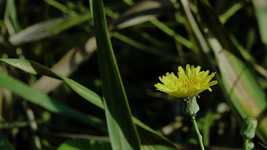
[
  {"x": 123, "y": 133},
  {"x": 180, "y": 39},
  {"x": 143, "y": 47},
  {"x": 261, "y": 14},
  {"x": 138, "y": 14},
  {"x": 10, "y": 18},
  {"x": 194, "y": 26},
  {"x": 230, "y": 12},
  {"x": 46, "y": 29},
  {"x": 44, "y": 101},
  {"x": 60, "y": 7}
]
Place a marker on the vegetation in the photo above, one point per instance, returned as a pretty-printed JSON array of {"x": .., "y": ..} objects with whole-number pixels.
[{"x": 80, "y": 75}]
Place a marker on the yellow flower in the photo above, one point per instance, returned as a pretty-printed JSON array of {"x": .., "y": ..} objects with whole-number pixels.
[{"x": 188, "y": 83}]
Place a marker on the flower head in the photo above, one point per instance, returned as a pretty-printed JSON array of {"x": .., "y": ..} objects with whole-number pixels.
[{"x": 189, "y": 82}]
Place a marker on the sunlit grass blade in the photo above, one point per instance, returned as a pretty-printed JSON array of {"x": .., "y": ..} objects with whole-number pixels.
[
  {"x": 231, "y": 12},
  {"x": 143, "y": 47},
  {"x": 44, "y": 101},
  {"x": 201, "y": 41},
  {"x": 47, "y": 29},
  {"x": 10, "y": 18},
  {"x": 61, "y": 7},
  {"x": 138, "y": 14},
  {"x": 261, "y": 14},
  {"x": 122, "y": 131}
]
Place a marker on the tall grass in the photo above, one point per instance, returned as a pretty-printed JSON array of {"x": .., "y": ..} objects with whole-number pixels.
[{"x": 85, "y": 71}]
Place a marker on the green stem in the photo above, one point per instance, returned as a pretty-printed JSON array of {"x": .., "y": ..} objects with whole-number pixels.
[
  {"x": 199, "y": 136},
  {"x": 248, "y": 132},
  {"x": 246, "y": 144}
]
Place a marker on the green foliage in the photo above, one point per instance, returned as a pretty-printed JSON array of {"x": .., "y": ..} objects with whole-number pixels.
[
  {"x": 122, "y": 131},
  {"x": 136, "y": 41}
]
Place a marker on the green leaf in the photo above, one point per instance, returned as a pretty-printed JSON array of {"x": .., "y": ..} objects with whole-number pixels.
[
  {"x": 148, "y": 135},
  {"x": 231, "y": 12},
  {"x": 44, "y": 101},
  {"x": 122, "y": 131},
  {"x": 46, "y": 29},
  {"x": 148, "y": 49},
  {"x": 140, "y": 13},
  {"x": 84, "y": 92},
  {"x": 10, "y": 18},
  {"x": 22, "y": 64},
  {"x": 261, "y": 14},
  {"x": 79, "y": 144},
  {"x": 35, "y": 32},
  {"x": 244, "y": 93},
  {"x": 56, "y": 4},
  {"x": 69, "y": 23}
]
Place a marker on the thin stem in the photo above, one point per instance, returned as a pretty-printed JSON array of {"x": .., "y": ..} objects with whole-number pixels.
[
  {"x": 199, "y": 136},
  {"x": 248, "y": 132}
]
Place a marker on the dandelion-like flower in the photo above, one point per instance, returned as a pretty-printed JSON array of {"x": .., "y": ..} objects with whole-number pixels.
[{"x": 188, "y": 83}]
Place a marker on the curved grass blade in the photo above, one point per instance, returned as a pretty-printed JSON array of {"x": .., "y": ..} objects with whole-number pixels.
[
  {"x": 122, "y": 131},
  {"x": 46, "y": 29},
  {"x": 44, "y": 101},
  {"x": 138, "y": 14},
  {"x": 61, "y": 7},
  {"x": 10, "y": 17}
]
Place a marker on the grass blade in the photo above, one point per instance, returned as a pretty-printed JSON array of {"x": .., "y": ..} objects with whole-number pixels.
[
  {"x": 123, "y": 133},
  {"x": 10, "y": 18},
  {"x": 46, "y": 29},
  {"x": 44, "y": 101},
  {"x": 261, "y": 14}
]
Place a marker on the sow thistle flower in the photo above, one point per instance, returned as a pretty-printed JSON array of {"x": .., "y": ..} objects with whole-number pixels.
[{"x": 189, "y": 82}]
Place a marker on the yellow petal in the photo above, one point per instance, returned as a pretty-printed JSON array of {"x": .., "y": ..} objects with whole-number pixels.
[{"x": 190, "y": 82}]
